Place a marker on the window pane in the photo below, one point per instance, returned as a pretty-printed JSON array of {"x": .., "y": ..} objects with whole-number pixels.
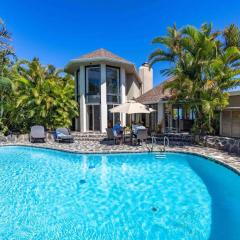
[
  {"x": 113, "y": 88},
  {"x": 112, "y": 80},
  {"x": 93, "y": 84},
  {"x": 113, "y": 99},
  {"x": 97, "y": 117},
  {"x": 94, "y": 80}
]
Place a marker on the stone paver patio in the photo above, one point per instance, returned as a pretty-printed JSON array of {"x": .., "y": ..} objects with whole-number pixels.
[{"x": 224, "y": 158}]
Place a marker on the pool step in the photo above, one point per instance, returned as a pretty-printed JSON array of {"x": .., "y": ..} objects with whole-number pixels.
[{"x": 160, "y": 156}]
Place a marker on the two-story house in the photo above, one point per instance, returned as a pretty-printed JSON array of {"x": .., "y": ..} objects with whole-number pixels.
[{"x": 104, "y": 80}]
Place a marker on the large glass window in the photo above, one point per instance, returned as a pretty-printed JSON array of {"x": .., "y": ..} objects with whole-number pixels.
[
  {"x": 93, "y": 84},
  {"x": 113, "y": 85}
]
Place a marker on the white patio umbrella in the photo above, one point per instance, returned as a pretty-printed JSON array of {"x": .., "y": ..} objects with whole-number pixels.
[{"x": 131, "y": 107}]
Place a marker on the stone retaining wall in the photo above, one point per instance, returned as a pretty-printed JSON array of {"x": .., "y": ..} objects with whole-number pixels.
[{"x": 231, "y": 145}]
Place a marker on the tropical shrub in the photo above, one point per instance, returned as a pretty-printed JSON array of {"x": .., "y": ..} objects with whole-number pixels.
[{"x": 43, "y": 95}]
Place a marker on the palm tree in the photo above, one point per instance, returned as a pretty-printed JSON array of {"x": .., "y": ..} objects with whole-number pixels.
[
  {"x": 172, "y": 44},
  {"x": 201, "y": 68},
  {"x": 6, "y": 49},
  {"x": 5, "y": 83},
  {"x": 231, "y": 36}
]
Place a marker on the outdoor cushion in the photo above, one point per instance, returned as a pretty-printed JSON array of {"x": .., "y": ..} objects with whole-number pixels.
[
  {"x": 59, "y": 134},
  {"x": 63, "y": 131},
  {"x": 63, "y": 134},
  {"x": 66, "y": 137}
]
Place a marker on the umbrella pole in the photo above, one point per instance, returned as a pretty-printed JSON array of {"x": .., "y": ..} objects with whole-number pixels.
[
  {"x": 131, "y": 121},
  {"x": 131, "y": 129}
]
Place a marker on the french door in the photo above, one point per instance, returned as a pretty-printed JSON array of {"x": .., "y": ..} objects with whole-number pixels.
[{"x": 93, "y": 118}]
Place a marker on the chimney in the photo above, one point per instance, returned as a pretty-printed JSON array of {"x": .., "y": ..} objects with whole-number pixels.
[{"x": 146, "y": 75}]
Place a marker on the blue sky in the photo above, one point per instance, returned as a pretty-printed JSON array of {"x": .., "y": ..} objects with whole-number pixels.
[{"x": 59, "y": 30}]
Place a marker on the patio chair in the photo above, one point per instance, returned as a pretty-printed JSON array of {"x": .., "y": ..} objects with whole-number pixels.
[
  {"x": 37, "y": 134},
  {"x": 142, "y": 135},
  {"x": 63, "y": 135},
  {"x": 112, "y": 136}
]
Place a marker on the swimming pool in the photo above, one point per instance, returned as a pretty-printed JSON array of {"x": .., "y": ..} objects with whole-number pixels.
[{"x": 48, "y": 194}]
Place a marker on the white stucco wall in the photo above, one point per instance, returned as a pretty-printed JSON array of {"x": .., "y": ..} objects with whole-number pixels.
[
  {"x": 123, "y": 92},
  {"x": 103, "y": 98},
  {"x": 146, "y": 75},
  {"x": 133, "y": 87},
  {"x": 77, "y": 119},
  {"x": 82, "y": 99}
]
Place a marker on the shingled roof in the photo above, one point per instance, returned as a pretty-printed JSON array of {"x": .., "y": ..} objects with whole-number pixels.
[
  {"x": 155, "y": 95},
  {"x": 102, "y": 53}
]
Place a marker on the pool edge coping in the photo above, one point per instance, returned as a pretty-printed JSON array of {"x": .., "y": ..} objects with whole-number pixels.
[{"x": 184, "y": 151}]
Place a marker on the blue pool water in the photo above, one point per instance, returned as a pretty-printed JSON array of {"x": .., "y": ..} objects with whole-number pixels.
[{"x": 47, "y": 194}]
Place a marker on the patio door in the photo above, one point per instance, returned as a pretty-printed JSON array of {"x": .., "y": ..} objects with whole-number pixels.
[{"x": 93, "y": 117}]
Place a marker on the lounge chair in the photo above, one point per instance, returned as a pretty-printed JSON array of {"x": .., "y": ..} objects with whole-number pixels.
[
  {"x": 142, "y": 135},
  {"x": 37, "y": 134},
  {"x": 63, "y": 135},
  {"x": 112, "y": 136}
]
